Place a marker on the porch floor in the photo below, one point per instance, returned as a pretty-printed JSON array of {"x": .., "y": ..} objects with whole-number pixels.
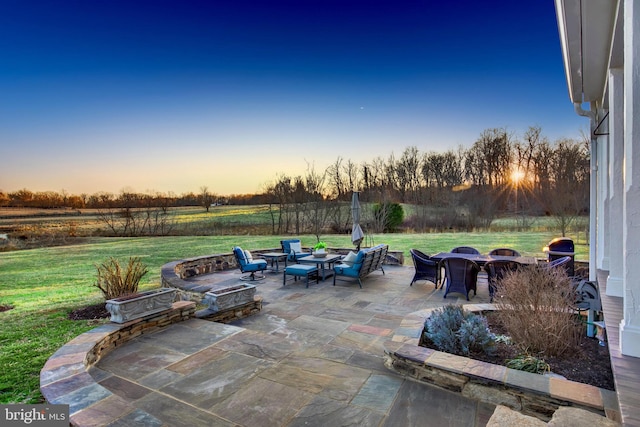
[{"x": 626, "y": 369}]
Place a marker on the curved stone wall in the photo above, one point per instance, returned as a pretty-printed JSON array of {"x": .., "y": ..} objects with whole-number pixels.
[
  {"x": 66, "y": 379},
  {"x": 175, "y": 274},
  {"x": 531, "y": 394}
]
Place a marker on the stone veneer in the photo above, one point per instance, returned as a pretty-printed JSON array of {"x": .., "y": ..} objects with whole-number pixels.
[
  {"x": 65, "y": 379},
  {"x": 528, "y": 393}
]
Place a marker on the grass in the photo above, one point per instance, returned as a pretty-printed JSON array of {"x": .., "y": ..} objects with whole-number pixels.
[{"x": 44, "y": 285}]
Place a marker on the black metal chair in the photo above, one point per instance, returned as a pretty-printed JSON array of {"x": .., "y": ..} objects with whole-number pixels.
[
  {"x": 426, "y": 268},
  {"x": 461, "y": 276},
  {"x": 465, "y": 250},
  {"x": 496, "y": 270},
  {"x": 504, "y": 252}
]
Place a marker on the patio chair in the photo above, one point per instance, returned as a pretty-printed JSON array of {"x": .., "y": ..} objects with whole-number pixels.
[
  {"x": 293, "y": 249},
  {"x": 504, "y": 252},
  {"x": 496, "y": 270},
  {"x": 461, "y": 276},
  {"x": 248, "y": 265},
  {"x": 465, "y": 250},
  {"x": 559, "y": 262},
  {"x": 426, "y": 268}
]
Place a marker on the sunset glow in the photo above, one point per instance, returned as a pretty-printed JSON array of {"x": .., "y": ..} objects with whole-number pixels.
[{"x": 172, "y": 96}]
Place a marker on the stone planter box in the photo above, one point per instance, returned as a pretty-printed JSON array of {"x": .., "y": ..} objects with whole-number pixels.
[
  {"x": 142, "y": 304},
  {"x": 224, "y": 299}
]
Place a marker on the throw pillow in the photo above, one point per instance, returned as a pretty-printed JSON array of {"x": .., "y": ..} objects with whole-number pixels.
[
  {"x": 349, "y": 258},
  {"x": 247, "y": 256},
  {"x": 295, "y": 247}
]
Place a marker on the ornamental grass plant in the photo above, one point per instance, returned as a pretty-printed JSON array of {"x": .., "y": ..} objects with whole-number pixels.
[
  {"x": 115, "y": 281},
  {"x": 534, "y": 304}
]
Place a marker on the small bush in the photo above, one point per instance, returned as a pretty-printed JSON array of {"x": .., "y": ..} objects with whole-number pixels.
[
  {"x": 534, "y": 306},
  {"x": 114, "y": 281},
  {"x": 528, "y": 363},
  {"x": 453, "y": 330},
  {"x": 388, "y": 216}
]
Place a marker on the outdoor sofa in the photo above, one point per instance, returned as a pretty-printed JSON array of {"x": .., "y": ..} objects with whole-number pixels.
[{"x": 366, "y": 261}]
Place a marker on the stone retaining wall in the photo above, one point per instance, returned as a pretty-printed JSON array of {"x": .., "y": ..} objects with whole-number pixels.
[
  {"x": 236, "y": 313},
  {"x": 197, "y": 266},
  {"x": 531, "y": 394},
  {"x": 65, "y": 379},
  {"x": 176, "y": 274}
]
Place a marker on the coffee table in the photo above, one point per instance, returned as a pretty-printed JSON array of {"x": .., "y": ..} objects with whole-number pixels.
[
  {"x": 328, "y": 260},
  {"x": 276, "y": 257}
]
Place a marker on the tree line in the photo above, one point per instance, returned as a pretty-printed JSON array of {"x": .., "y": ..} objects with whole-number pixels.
[
  {"x": 457, "y": 189},
  {"x": 463, "y": 188}
]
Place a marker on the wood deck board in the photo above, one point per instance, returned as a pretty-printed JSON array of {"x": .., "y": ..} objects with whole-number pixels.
[{"x": 626, "y": 369}]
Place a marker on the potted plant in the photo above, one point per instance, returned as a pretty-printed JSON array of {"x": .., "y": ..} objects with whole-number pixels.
[{"x": 319, "y": 250}]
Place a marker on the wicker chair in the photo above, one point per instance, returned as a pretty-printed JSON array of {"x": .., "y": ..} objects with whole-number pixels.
[
  {"x": 465, "y": 250},
  {"x": 426, "y": 268},
  {"x": 461, "y": 276},
  {"x": 495, "y": 272},
  {"x": 504, "y": 252}
]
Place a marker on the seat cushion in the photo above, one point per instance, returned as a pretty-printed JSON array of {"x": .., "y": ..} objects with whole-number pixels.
[
  {"x": 346, "y": 270},
  {"x": 300, "y": 269},
  {"x": 256, "y": 265}
]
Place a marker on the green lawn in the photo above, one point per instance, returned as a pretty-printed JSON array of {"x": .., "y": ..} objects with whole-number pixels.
[{"x": 44, "y": 285}]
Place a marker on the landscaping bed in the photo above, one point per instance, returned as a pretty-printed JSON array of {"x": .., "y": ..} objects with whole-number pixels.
[{"x": 590, "y": 365}]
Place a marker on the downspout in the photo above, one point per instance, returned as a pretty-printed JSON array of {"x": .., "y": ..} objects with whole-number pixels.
[{"x": 593, "y": 195}]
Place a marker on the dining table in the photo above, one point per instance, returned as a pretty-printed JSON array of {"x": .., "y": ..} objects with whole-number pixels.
[{"x": 481, "y": 259}]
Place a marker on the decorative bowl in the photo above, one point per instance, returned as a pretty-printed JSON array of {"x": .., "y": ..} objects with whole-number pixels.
[{"x": 319, "y": 254}]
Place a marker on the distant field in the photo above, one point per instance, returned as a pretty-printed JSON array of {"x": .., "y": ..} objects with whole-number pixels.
[{"x": 194, "y": 220}]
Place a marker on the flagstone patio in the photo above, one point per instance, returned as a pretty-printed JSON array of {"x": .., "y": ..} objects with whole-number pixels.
[{"x": 312, "y": 356}]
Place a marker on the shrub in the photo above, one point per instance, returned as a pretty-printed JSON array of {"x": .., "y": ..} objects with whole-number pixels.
[
  {"x": 528, "y": 363},
  {"x": 453, "y": 330},
  {"x": 114, "y": 281},
  {"x": 534, "y": 306},
  {"x": 388, "y": 216}
]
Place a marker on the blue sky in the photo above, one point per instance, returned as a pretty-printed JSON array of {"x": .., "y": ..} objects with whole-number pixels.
[{"x": 176, "y": 95}]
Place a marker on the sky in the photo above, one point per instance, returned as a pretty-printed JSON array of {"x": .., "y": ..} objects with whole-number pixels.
[{"x": 173, "y": 96}]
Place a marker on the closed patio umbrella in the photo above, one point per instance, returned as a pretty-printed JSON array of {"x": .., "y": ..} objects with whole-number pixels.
[{"x": 357, "y": 235}]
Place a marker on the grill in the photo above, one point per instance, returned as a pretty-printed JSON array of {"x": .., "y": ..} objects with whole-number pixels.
[{"x": 588, "y": 299}]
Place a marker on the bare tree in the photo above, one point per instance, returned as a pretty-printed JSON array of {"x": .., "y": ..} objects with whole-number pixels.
[
  {"x": 407, "y": 174},
  {"x": 338, "y": 182},
  {"x": 353, "y": 180},
  {"x": 318, "y": 209},
  {"x": 570, "y": 178},
  {"x": 488, "y": 161},
  {"x": 206, "y": 198},
  {"x": 280, "y": 194},
  {"x": 442, "y": 169}
]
